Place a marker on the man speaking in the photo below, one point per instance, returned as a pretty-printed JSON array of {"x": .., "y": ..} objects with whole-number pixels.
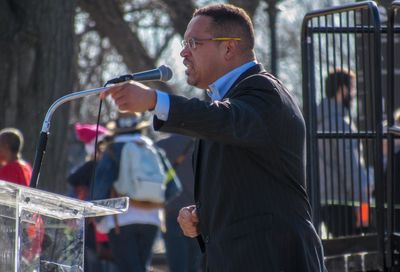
[{"x": 251, "y": 210}]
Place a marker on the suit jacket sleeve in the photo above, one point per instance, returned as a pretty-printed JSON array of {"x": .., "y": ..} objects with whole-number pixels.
[{"x": 242, "y": 118}]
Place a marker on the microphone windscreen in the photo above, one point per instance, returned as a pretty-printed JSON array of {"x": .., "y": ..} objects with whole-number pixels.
[{"x": 166, "y": 73}]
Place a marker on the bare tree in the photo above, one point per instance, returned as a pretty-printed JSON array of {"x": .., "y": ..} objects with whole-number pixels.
[
  {"x": 273, "y": 10},
  {"x": 36, "y": 68},
  {"x": 180, "y": 13},
  {"x": 249, "y": 6},
  {"x": 110, "y": 22}
]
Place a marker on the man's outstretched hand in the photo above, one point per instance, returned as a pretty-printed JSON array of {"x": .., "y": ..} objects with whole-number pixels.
[{"x": 132, "y": 96}]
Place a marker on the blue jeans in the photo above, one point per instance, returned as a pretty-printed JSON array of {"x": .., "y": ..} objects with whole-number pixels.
[
  {"x": 183, "y": 253},
  {"x": 132, "y": 247}
]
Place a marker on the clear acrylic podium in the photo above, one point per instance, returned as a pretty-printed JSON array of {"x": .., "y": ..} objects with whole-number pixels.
[{"x": 42, "y": 231}]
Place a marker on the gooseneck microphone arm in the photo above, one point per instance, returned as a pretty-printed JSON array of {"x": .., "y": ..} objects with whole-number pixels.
[
  {"x": 162, "y": 73},
  {"x": 40, "y": 150}
]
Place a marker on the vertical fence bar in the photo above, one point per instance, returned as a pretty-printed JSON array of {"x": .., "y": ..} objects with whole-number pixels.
[
  {"x": 351, "y": 166},
  {"x": 393, "y": 129},
  {"x": 308, "y": 81},
  {"x": 390, "y": 121},
  {"x": 378, "y": 169}
]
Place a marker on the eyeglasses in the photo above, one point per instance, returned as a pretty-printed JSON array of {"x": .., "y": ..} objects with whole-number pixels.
[{"x": 191, "y": 43}]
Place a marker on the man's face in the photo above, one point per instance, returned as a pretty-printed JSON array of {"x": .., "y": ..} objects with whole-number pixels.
[
  {"x": 204, "y": 63},
  {"x": 348, "y": 95}
]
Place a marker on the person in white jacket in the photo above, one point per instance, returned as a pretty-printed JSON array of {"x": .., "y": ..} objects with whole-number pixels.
[{"x": 131, "y": 234}]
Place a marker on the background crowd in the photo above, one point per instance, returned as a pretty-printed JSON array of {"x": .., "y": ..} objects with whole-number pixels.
[{"x": 156, "y": 229}]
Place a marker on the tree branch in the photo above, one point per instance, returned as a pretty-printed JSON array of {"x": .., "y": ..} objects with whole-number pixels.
[
  {"x": 180, "y": 13},
  {"x": 168, "y": 37},
  {"x": 110, "y": 23}
]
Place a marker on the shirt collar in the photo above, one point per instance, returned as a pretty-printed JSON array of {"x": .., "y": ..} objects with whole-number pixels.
[{"x": 221, "y": 86}]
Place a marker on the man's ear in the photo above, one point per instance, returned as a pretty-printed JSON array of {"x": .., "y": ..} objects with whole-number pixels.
[{"x": 231, "y": 49}]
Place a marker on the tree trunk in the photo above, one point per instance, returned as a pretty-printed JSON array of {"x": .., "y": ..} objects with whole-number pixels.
[
  {"x": 180, "y": 13},
  {"x": 272, "y": 14},
  {"x": 36, "y": 68},
  {"x": 250, "y": 6}
]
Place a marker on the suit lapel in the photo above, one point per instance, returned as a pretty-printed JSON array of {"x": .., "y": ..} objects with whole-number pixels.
[
  {"x": 196, "y": 153},
  {"x": 197, "y": 147}
]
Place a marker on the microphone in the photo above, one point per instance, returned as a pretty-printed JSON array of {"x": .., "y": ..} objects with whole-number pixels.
[{"x": 162, "y": 73}]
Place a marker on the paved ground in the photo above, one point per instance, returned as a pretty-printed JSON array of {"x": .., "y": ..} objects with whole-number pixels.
[{"x": 158, "y": 263}]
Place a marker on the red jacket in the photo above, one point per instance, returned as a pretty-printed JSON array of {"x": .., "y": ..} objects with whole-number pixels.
[{"x": 17, "y": 171}]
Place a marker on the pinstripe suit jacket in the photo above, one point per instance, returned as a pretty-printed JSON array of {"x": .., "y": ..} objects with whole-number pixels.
[{"x": 249, "y": 167}]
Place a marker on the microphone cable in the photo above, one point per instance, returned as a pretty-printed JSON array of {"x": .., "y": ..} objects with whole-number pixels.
[
  {"x": 93, "y": 175},
  {"x": 166, "y": 74}
]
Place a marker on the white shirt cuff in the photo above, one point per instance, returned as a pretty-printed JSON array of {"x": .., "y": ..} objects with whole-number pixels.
[{"x": 162, "y": 106}]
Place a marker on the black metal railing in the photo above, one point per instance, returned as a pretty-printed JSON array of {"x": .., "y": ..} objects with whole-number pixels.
[
  {"x": 342, "y": 104},
  {"x": 392, "y": 141}
]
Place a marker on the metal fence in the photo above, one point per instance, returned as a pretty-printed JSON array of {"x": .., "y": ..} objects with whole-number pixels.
[
  {"x": 392, "y": 144},
  {"x": 343, "y": 108}
]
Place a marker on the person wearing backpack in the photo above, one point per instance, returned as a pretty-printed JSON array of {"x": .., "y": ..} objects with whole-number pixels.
[
  {"x": 131, "y": 234},
  {"x": 96, "y": 255}
]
